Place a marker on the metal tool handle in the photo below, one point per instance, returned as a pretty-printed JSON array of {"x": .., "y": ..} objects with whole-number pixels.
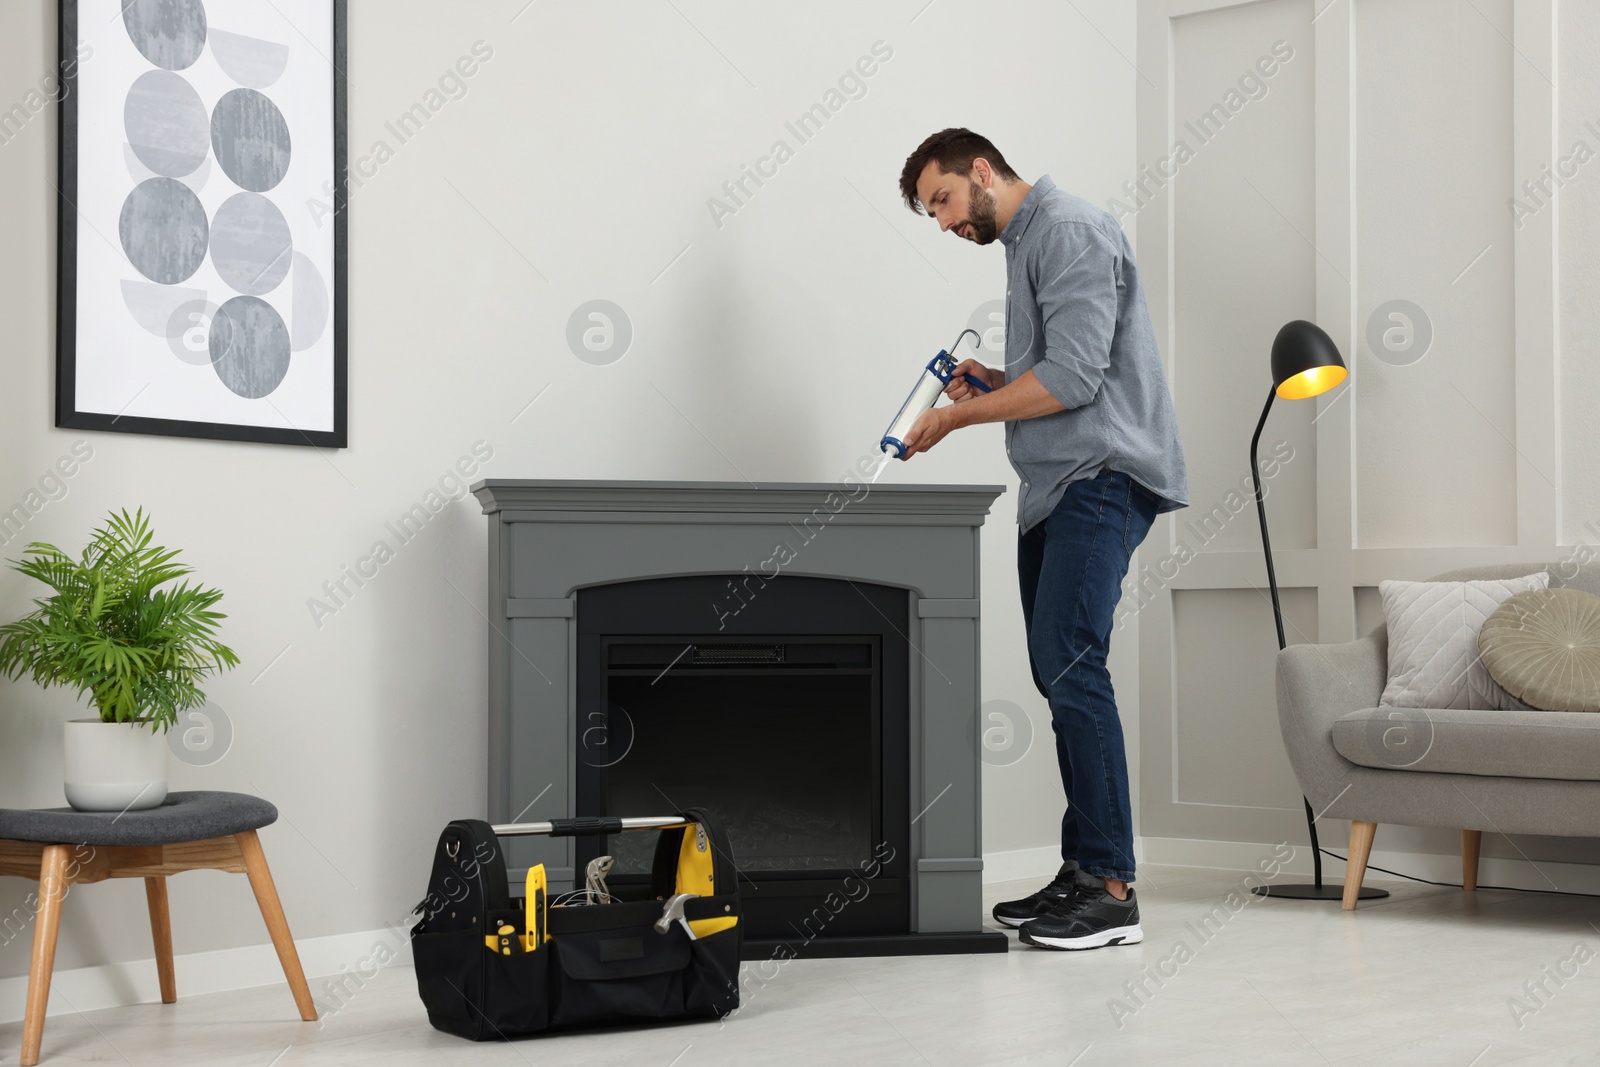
[
  {"x": 944, "y": 366},
  {"x": 587, "y": 826}
]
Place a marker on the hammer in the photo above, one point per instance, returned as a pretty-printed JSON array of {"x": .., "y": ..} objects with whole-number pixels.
[{"x": 673, "y": 913}]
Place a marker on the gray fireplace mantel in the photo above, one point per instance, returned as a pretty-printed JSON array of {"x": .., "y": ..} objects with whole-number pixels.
[{"x": 549, "y": 538}]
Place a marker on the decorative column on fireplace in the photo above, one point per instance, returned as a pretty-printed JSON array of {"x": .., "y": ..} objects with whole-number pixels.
[{"x": 801, "y": 659}]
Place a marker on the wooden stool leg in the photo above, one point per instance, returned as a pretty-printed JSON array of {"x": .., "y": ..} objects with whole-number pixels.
[
  {"x": 1471, "y": 842},
  {"x": 255, "y": 862},
  {"x": 1361, "y": 834},
  {"x": 155, "y": 892},
  {"x": 53, "y": 885}
]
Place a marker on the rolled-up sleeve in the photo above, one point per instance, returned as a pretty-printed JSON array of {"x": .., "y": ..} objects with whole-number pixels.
[{"x": 1077, "y": 296}]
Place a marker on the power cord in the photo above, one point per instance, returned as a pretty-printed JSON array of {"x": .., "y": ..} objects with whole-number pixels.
[{"x": 1458, "y": 885}]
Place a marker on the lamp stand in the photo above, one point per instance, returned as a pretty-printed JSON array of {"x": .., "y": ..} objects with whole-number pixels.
[{"x": 1316, "y": 890}]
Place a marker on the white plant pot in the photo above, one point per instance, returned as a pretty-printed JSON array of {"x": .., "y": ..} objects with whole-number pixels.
[{"x": 114, "y": 766}]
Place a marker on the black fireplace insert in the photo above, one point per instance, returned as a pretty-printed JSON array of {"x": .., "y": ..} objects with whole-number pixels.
[{"x": 782, "y": 705}]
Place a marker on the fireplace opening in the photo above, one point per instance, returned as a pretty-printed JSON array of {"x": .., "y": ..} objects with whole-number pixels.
[
  {"x": 729, "y": 723},
  {"x": 790, "y": 722}
]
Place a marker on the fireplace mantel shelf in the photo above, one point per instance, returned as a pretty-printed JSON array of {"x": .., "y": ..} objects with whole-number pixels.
[{"x": 850, "y": 501}]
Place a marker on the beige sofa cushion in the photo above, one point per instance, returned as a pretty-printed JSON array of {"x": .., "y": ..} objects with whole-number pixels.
[{"x": 1543, "y": 647}]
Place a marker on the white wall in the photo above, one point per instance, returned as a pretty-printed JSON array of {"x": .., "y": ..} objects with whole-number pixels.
[{"x": 578, "y": 166}]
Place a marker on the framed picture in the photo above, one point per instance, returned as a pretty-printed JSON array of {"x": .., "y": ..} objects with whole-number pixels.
[{"x": 202, "y": 223}]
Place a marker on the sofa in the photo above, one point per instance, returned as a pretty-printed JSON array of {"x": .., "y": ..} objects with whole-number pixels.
[{"x": 1509, "y": 772}]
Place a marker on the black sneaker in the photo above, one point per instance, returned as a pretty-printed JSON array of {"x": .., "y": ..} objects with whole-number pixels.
[
  {"x": 1089, "y": 918},
  {"x": 1017, "y": 912}
]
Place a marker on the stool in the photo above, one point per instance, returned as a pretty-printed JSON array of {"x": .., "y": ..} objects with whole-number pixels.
[{"x": 188, "y": 832}]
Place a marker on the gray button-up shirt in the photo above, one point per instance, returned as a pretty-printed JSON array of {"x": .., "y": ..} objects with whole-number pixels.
[{"x": 1076, "y": 317}]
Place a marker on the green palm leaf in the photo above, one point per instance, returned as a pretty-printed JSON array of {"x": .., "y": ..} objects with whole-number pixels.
[{"x": 115, "y": 629}]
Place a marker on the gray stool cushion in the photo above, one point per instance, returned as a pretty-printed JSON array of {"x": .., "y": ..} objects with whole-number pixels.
[{"x": 181, "y": 817}]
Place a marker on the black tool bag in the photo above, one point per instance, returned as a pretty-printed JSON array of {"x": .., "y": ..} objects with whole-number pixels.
[{"x": 600, "y": 963}]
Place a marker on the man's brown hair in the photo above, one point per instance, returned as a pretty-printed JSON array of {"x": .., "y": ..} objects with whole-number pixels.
[{"x": 954, "y": 150}]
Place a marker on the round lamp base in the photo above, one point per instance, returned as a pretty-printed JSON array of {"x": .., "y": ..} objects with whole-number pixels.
[{"x": 1311, "y": 891}]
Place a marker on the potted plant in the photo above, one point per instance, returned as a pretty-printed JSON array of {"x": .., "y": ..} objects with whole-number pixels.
[{"x": 114, "y": 629}]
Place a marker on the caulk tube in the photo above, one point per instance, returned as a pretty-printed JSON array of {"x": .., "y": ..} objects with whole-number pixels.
[{"x": 926, "y": 393}]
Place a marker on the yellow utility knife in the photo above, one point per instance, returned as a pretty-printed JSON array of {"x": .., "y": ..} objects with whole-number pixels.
[
  {"x": 501, "y": 940},
  {"x": 537, "y": 903}
]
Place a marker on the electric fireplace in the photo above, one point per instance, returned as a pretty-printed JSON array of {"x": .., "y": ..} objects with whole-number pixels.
[{"x": 800, "y": 659}]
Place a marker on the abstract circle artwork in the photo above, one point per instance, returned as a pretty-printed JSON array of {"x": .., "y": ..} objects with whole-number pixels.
[
  {"x": 250, "y": 61},
  {"x": 202, "y": 237},
  {"x": 251, "y": 246},
  {"x": 169, "y": 33},
  {"x": 167, "y": 124},
  {"x": 164, "y": 230},
  {"x": 251, "y": 140},
  {"x": 312, "y": 304},
  {"x": 249, "y": 346}
]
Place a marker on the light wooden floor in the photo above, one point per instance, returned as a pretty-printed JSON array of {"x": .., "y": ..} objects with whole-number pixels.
[{"x": 1426, "y": 977}]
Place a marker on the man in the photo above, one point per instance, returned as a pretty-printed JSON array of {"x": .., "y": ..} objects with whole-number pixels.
[{"x": 1091, "y": 432}]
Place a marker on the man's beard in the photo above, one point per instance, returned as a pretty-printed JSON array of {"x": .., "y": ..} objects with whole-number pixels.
[{"x": 980, "y": 215}]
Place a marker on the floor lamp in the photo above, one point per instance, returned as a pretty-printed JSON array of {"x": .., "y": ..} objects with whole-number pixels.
[{"x": 1305, "y": 363}]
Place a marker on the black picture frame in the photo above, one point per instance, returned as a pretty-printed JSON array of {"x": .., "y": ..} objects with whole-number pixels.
[{"x": 67, "y": 415}]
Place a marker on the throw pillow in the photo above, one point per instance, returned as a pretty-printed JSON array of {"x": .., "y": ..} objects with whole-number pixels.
[
  {"x": 1543, "y": 647},
  {"x": 1433, "y": 642}
]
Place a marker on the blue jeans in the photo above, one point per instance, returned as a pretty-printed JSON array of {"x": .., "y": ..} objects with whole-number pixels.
[{"x": 1071, "y": 567}]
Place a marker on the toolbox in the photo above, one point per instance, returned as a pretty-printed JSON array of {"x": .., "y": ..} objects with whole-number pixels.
[{"x": 490, "y": 966}]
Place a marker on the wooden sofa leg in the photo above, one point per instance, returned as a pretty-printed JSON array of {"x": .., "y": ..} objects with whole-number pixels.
[
  {"x": 53, "y": 885},
  {"x": 1361, "y": 834},
  {"x": 1471, "y": 841},
  {"x": 155, "y": 893}
]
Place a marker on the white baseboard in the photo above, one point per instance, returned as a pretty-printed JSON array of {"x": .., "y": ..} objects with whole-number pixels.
[
  {"x": 1021, "y": 864},
  {"x": 1245, "y": 855},
  {"x": 1031, "y": 864},
  {"x": 1028, "y": 864},
  {"x": 349, "y": 956},
  {"x": 1225, "y": 855}
]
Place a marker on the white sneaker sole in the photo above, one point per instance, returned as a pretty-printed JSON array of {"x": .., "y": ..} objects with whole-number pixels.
[
  {"x": 1120, "y": 935},
  {"x": 1013, "y": 923}
]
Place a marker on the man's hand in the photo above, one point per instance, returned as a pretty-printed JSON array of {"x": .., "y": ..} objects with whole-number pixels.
[
  {"x": 958, "y": 389},
  {"x": 928, "y": 430},
  {"x": 1024, "y": 398}
]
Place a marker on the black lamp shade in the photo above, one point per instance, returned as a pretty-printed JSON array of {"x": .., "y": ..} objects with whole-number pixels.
[{"x": 1305, "y": 361}]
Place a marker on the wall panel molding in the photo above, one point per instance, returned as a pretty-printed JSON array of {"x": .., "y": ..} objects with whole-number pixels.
[{"x": 1174, "y": 702}]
